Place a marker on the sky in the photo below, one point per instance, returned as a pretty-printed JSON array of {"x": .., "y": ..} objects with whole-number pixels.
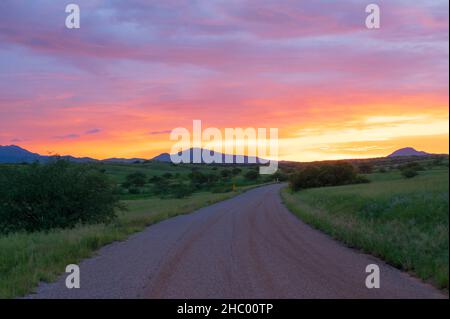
[{"x": 137, "y": 69}]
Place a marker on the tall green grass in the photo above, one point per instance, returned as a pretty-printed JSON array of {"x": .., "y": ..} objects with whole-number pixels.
[
  {"x": 28, "y": 258},
  {"x": 403, "y": 221}
]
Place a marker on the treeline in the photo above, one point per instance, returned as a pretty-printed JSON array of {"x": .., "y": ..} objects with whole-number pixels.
[
  {"x": 319, "y": 175},
  {"x": 59, "y": 194},
  {"x": 176, "y": 185}
]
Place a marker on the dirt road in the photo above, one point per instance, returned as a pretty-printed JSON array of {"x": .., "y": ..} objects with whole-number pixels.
[{"x": 250, "y": 246}]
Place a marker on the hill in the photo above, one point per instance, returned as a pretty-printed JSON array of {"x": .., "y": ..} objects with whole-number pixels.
[
  {"x": 222, "y": 158},
  {"x": 408, "y": 151}
]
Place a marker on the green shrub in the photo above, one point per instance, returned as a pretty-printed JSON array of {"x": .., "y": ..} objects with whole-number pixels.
[
  {"x": 136, "y": 179},
  {"x": 198, "y": 179},
  {"x": 413, "y": 165},
  {"x": 155, "y": 179},
  {"x": 167, "y": 175},
  {"x": 226, "y": 173},
  {"x": 181, "y": 190},
  {"x": 365, "y": 168},
  {"x": 54, "y": 195},
  {"x": 251, "y": 175},
  {"x": 236, "y": 171},
  {"x": 409, "y": 173},
  {"x": 280, "y": 176},
  {"x": 319, "y": 175},
  {"x": 134, "y": 190}
]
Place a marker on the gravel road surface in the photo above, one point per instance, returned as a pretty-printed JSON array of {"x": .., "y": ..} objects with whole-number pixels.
[{"x": 249, "y": 246}]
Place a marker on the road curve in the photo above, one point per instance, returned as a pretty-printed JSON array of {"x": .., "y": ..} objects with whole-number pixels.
[{"x": 249, "y": 246}]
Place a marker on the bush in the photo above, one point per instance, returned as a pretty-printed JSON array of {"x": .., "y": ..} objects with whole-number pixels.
[
  {"x": 251, "y": 175},
  {"x": 365, "y": 168},
  {"x": 134, "y": 190},
  {"x": 167, "y": 175},
  {"x": 136, "y": 179},
  {"x": 155, "y": 179},
  {"x": 325, "y": 175},
  {"x": 181, "y": 191},
  {"x": 413, "y": 165},
  {"x": 54, "y": 195},
  {"x": 409, "y": 173},
  {"x": 161, "y": 187},
  {"x": 382, "y": 170},
  {"x": 279, "y": 176},
  {"x": 225, "y": 173},
  {"x": 198, "y": 178},
  {"x": 236, "y": 171}
]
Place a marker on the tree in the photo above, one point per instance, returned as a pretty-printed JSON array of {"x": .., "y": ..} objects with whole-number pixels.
[
  {"x": 251, "y": 175},
  {"x": 225, "y": 173},
  {"x": 155, "y": 179},
  {"x": 365, "y": 168},
  {"x": 167, "y": 175},
  {"x": 198, "y": 178},
  {"x": 409, "y": 173},
  {"x": 55, "y": 195},
  {"x": 319, "y": 175},
  {"x": 236, "y": 171},
  {"x": 136, "y": 179},
  {"x": 279, "y": 176}
]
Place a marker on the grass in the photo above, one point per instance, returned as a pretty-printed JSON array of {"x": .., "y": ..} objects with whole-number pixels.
[
  {"x": 28, "y": 258},
  {"x": 403, "y": 221}
]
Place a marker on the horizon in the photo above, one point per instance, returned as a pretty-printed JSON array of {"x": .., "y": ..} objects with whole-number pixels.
[
  {"x": 133, "y": 72},
  {"x": 234, "y": 154}
]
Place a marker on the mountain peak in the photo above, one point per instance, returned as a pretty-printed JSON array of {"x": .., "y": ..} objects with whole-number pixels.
[
  {"x": 233, "y": 159},
  {"x": 16, "y": 154},
  {"x": 408, "y": 151}
]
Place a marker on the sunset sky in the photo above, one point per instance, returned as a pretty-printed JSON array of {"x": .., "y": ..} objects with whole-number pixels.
[{"x": 137, "y": 69}]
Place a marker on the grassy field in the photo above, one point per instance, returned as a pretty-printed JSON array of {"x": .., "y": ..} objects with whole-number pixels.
[
  {"x": 403, "y": 221},
  {"x": 28, "y": 258}
]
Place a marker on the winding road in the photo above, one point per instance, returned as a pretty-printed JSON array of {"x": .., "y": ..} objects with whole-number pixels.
[{"x": 249, "y": 246}]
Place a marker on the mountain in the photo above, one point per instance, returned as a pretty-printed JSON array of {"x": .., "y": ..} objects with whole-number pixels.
[
  {"x": 16, "y": 154},
  {"x": 408, "y": 151},
  {"x": 234, "y": 159},
  {"x": 163, "y": 157}
]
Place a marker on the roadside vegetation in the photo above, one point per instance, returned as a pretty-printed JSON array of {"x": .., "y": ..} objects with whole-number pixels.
[
  {"x": 185, "y": 180},
  {"x": 319, "y": 175},
  {"x": 56, "y": 195},
  {"x": 58, "y": 213},
  {"x": 401, "y": 216}
]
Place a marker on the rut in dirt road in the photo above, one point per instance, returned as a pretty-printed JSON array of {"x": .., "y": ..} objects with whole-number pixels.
[{"x": 249, "y": 246}]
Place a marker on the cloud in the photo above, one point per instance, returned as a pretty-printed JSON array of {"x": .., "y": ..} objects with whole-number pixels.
[
  {"x": 67, "y": 136},
  {"x": 93, "y": 131},
  {"x": 160, "y": 132}
]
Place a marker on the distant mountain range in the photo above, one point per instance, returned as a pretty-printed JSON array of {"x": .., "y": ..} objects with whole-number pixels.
[
  {"x": 16, "y": 154},
  {"x": 165, "y": 157},
  {"x": 408, "y": 151}
]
